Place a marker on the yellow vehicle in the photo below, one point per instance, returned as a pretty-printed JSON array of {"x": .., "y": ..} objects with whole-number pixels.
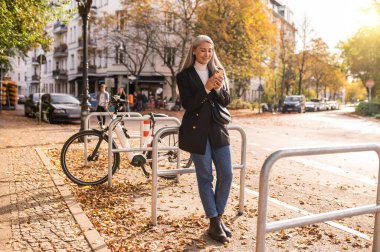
[{"x": 8, "y": 94}]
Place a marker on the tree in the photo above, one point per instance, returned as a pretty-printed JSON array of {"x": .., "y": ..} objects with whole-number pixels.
[
  {"x": 21, "y": 28},
  {"x": 302, "y": 56},
  {"x": 287, "y": 63},
  {"x": 319, "y": 63},
  {"x": 175, "y": 27},
  {"x": 362, "y": 56},
  {"x": 355, "y": 91},
  {"x": 243, "y": 34},
  {"x": 129, "y": 34}
]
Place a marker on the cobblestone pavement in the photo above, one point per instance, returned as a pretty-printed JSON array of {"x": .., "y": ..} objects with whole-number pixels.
[{"x": 33, "y": 214}]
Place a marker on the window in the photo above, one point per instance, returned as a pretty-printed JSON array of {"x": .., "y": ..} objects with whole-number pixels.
[
  {"x": 106, "y": 57},
  {"x": 99, "y": 65},
  {"x": 25, "y": 77},
  {"x": 116, "y": 54},
  {"x": 119, "y": 56},
  {"x": 169, "y": 56},
  {"x": 72, "y": 62},
  {"x": 19, "y": 77},
  {"x": 170, "y": 21}
]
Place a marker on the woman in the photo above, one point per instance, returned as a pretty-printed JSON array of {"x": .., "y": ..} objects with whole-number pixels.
[
  {"x": 122, "y": 95},
  {"x": 102, "y": 98},
  {"x": 206, "y": 140}
]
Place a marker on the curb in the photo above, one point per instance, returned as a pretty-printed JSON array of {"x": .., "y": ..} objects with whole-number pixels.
[{"x": 92, "y": 236}]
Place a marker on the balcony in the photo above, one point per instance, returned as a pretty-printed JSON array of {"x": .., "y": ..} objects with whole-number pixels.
[
  {"x": 59, "y": 27},
  {"x": 35, "y": 62},
  {"x": 60, "y": 51},
  {"x": 91, "y": 69},
  {"x": 35, "y": 79},
  {"x": 91, "y": 43},
  {"x": 60, "y": 74}
]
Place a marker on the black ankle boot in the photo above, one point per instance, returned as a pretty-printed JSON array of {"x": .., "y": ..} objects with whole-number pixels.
[
  {"x": 216, "y": 231},
  {"x": 226, "y": 230}
]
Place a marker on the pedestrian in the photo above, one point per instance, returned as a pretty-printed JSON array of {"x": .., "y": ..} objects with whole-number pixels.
[
  {"x": 102, "y": 99},
  {"x": 144, "y": 102},
  {"x": 122, "y": 95},
  {"x": 140, "y": 100},
  {"x": 197, "y": 84}
]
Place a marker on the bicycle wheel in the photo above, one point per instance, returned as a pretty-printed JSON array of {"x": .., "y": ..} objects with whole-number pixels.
[
  {"x": 167, "y": 159},
  {"x": 88, "y": 166}
]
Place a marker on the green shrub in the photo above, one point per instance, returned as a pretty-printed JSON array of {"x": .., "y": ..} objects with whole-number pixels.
[
  {"x": 239, "y": 104},
  {"x": 368, "y": 109},
  {"x": 377, "y": 116}
]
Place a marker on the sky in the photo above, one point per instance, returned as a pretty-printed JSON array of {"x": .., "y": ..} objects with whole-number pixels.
[{"x": 332, "y": 20}]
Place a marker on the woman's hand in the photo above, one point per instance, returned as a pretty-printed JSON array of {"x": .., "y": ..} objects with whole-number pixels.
[{"x": 214, "y": 82}]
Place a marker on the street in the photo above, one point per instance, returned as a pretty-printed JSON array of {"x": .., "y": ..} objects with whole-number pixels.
[
  {"x": 298, "y": 185},
  {"x": 316, "y": 184}
]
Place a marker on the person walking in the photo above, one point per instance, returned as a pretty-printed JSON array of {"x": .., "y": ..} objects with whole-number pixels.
[
  {"x": 102, "y": 99},
  {"x": 198, "y": 88}
]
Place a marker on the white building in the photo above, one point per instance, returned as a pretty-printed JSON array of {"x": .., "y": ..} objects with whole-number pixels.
[{"x": 62, "y": 70}]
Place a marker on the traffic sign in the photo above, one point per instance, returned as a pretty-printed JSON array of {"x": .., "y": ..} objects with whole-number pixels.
[{"x": 370, "y": 83}]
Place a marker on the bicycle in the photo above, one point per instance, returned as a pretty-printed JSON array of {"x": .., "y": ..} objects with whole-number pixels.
[{"x": 84, "y": 156}]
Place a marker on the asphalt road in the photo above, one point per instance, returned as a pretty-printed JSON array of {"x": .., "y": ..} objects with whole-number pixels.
[{"x": 315, "y": 184}]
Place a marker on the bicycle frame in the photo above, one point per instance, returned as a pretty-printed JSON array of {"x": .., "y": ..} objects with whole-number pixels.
[
  {"x": 113, "y": 124},
  {"x": 124, "y": 141}
]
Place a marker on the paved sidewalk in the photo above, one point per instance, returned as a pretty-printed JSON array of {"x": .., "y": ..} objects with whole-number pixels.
[{"x": 33, "y": 214}]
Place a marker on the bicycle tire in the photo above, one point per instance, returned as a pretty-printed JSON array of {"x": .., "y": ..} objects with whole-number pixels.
[
  {"x": 170, "y": 156},
  {"x": 73, "y": 164}
]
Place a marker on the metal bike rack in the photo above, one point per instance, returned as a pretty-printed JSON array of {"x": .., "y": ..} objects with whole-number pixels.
[
  {"x": 263, "y": 227},
  {"x": 156, "y": 172},
  {"x": 133, "y": 119}
]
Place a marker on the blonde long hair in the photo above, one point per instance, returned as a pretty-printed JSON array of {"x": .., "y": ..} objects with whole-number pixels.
[{"x": 213, "y": 65}]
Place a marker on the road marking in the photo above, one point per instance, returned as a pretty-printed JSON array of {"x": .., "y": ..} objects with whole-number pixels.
[
  {"x": 336, "y": 170},
  {"x": 326, "y": 167},
  {"x": 304, "y": 212}
]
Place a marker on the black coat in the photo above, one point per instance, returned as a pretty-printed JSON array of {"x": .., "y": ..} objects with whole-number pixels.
[{"x": 197, "y": 125}]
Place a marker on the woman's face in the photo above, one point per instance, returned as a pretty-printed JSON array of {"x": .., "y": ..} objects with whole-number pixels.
[{"x": 203, "y": 52}]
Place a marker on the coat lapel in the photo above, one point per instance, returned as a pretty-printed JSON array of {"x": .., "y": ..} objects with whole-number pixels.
[{"x": 197, "y": 80}]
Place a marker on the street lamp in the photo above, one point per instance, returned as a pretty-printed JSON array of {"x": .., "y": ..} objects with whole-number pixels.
[
  {"x": 131, "y": 78},
  {"x": 84, "y": 7},
  {"x": 41, "y": 59},
  {"x": 260, "y": 89}
]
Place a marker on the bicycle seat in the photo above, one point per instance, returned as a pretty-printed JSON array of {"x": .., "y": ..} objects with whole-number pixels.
[{"x": 159, "y": 115}]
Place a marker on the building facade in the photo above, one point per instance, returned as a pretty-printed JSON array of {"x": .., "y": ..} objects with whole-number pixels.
[{"x": 61, "y": 68}]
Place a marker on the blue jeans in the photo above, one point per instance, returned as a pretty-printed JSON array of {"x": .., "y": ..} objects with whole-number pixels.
[{"x": 214, "y": 203}]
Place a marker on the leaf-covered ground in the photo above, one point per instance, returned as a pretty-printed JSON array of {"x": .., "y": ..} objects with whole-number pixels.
[{"x": 121, "y": 214}]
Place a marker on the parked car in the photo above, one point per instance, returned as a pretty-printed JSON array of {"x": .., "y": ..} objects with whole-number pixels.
[
  {"x": 332, "y": 105},
  {"x": 31, "y": 104},
  {"x": 323, "y": 106},
  {"x": 311, "y": 106},
  {"x": 60, "y": 107},
  {"x": 21, "y": 99},
  {"x": 294, "y": 103}
]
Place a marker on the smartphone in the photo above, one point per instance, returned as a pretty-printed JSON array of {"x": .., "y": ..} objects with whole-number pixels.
[{"x": 219, "y": 73}]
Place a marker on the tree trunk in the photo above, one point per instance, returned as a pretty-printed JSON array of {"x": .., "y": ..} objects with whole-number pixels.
[{"x": 174, "y": 88}]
